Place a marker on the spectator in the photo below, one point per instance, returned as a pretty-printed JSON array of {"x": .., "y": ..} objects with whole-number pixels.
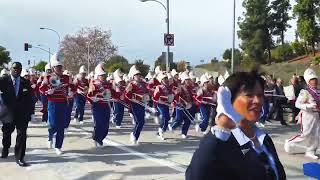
[
  {"x": 244, "y": 152},
  {"x": 278, "y": 101}
]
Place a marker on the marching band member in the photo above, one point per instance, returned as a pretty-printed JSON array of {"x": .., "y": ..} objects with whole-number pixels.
[
  {"x": 33, "y": 82},
  {"x": 308, "y": 102},
  {"x": 185, "y": 108},
  {"x": 43, "y": 96},
  {"x": 163, "y": 96},
  {"x": 119, "y": 86},
  {"x": 56, "y": 88},
  {"x": 174, "y": 85},
  {"x": 138, "y": 94},
  {"x": 207, "y": 99},
  {"x": 151, "y": 87},
  {"x": 127, "y": 78},
  {"x": 25, "y": 74},
  {"x": 149, "y": 76},
  {"x": 99, "y": 95},
  {"x": 70, "y": 97},
  {"x": 82, "y": 85},
  {"x": 4, "y": 72}
]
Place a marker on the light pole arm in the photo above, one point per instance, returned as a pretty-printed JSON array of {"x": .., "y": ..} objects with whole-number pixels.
[
  {"x": 165, "y": 8},
  {"x": 53, "y": 31},
  {"x": 43, "y": 49}
]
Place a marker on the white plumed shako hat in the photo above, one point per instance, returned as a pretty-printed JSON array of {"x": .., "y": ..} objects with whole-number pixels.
[
  {"x": 309, "y": 74},
  {"x": 57, "y": 59},
  {"x": 82, "y": 69},
  {"x": 184, "y": 76},
  {"x": 99, "y": 70}
]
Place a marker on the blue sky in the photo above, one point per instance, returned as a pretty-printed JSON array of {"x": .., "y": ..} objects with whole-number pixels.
[{"x": 202, "y": 28}]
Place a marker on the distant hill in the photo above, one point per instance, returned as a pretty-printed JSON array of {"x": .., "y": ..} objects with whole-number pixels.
[{"x": 283, "y": 70}]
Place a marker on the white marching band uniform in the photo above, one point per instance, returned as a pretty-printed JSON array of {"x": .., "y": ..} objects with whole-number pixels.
[
  {"x": 147, "y": 95},
  {"x": 308, "y": 118}
]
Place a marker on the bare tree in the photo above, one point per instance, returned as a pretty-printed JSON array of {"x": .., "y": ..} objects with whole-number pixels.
[{"x": 75, "y": 48}]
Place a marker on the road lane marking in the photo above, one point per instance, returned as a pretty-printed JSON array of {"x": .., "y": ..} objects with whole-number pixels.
[
  {"x": 170, "y": 164},
  {"x": 173, "y": 165}
]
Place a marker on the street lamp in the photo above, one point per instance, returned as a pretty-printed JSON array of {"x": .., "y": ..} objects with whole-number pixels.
[
  {"x": 44, "y": 28},
  {"x": 168, "y": 28},
  {"x": 49, "y": 51},
  {"x": 39, "y": 46},
  {"x": 233, "y": 36},
  {"x": 89, "y": 51}
]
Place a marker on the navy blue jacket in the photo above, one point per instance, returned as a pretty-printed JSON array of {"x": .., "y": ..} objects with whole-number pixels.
[{"x": 223, "y": 160}]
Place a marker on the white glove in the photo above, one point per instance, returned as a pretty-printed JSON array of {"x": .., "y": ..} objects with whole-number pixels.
[
  {"x": 95, "y": 99},
  {"x": 224, "y": 105},
  {"x": 33, "y": 86},
  {"x": 70, "y": 94},
  {"x": 311, "y": 107},
  {"x": 50, "y": 91}
]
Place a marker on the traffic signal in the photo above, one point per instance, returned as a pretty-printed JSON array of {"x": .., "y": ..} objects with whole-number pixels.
[
  {"x": 27, "y": 46},
  {"x": 28, "y": 62}
]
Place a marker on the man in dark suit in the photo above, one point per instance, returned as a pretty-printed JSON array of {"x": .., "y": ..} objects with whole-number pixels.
[{"x": 16, "y": 94}]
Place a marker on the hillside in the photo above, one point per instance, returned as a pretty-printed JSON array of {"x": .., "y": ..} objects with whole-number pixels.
[{"x": 283, "y": 70}]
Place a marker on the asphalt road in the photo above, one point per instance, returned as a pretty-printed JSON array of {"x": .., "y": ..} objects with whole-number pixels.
[{"x": 152, "y": 159}]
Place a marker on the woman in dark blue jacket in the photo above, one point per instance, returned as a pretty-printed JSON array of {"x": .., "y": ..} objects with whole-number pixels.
[{"x": 237, "y": 151}]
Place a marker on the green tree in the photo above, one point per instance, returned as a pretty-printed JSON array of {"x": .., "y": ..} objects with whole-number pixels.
[
  {"x": 280, "y": 17},
  {"x": 254, "y": 30},
  {"x": 298, "y": 48},
  {"x": 4, "y": 56},
  {"x": 161, "y": 61},
  {"x": 181, "y": 66},
  {"x": 227, "y": 55},
  {"x": 40, "y": 66},
  {"x": 143, "y": 68},
  {"x": 308, "y": 26},
  {"x": 116, "y": 62}
]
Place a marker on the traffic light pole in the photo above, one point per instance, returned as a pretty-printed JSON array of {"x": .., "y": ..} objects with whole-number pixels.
[{"x": 168, "y": 31}]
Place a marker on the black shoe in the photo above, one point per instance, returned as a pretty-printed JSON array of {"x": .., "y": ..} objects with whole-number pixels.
[
  {"x": 22, "y": 163},
  {"x": 284, "y": 124},
  {"x": 5, "y": 153}
]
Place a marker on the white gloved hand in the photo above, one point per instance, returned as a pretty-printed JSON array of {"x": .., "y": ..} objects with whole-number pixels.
[
  {"x": 224, "y": 105},
  {"x": 311, "y": 106},
  {"x": 33, "y": 86},
  {"x": 50, "y": 91},
  {"x": 70, "y": 94},
  {"x": 95, "y": 99}
]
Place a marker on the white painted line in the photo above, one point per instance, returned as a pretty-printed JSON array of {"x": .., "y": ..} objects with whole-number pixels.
[{"x": 162, "y": 162}]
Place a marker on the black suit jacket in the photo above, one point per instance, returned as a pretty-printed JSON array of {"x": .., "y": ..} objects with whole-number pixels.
[
  {"x": 226, "y": 160},
  {"x": 20, "y": 106}
]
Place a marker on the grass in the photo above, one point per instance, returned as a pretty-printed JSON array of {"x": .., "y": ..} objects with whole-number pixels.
[{"x": 283, "y": 70}]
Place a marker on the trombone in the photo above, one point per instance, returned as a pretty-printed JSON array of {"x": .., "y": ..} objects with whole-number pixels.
[{"x": 145, "y": 98}]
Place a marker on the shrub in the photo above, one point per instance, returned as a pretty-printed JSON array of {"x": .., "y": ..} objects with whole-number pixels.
[
  {"x": 298, "y": 48},
  {"x": 316, "y": 60},
  {"x": 282, "y": 52}
]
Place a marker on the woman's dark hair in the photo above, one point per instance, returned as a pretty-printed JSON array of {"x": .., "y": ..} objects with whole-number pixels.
[{"x": 243, "y": 81}]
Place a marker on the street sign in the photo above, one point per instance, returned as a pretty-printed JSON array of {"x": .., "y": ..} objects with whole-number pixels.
[{"x": 169, "y": 39}]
